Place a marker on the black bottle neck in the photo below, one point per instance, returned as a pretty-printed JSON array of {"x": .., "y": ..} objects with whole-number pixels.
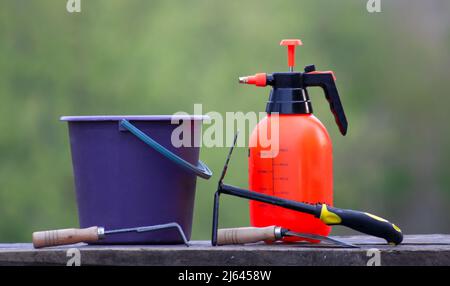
[{"x": 288, "y": 95}]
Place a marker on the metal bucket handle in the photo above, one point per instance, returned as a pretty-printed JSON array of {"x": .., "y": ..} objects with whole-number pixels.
[{"x": 200, "y": 170}]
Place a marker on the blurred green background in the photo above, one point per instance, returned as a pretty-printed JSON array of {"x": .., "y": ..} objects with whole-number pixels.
[{"x": 160, "y": 57}]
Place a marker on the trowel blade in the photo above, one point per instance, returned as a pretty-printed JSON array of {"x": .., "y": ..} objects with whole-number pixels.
[
  {"x": 321, "y": 238},
  {"x": 152, "y": 228}
]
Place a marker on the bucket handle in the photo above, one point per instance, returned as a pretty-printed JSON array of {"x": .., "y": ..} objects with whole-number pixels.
[{"x": 200, "y": 170}]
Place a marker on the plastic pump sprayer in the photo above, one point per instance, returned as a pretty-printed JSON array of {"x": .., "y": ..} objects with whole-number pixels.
[{"x": 302, "y": 170}]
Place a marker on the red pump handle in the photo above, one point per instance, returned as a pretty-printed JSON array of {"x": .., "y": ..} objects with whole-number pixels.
[{"x": 291, "y": 44}]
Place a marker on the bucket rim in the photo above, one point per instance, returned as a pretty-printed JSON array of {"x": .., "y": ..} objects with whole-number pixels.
[{"x": 133, "y": 117}]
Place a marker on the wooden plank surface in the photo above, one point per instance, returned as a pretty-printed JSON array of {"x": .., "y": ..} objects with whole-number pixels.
[{"x": 416, "y": 250}]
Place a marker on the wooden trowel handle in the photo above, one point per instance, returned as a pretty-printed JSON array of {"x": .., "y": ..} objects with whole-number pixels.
[
  {"x": 66, "y": 236},
  {"x": 243, "y": 235}
]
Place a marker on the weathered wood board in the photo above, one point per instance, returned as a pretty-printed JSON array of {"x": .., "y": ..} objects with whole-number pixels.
[{"x": 416, "y": 250}]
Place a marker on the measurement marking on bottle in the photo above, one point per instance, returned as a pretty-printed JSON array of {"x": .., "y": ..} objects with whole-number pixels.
[
  {"x": 281, "y": 164},
  {"x": 282, "y": 193},
  {"x": 264, "y": 171},
  {"x": 281, "y": 178}
]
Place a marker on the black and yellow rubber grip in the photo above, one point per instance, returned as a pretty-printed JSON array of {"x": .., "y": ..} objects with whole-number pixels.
[{"x": 361, "y": 221}]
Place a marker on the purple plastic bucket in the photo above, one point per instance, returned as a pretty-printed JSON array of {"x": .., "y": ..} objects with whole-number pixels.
[{"x": 128, "y": 174}]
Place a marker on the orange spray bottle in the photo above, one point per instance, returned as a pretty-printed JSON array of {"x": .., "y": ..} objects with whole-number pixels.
[{"x": 290, "y": 151}]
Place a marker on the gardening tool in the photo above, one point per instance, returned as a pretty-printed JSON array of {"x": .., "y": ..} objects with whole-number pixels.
[
  {"x": 242, "y": 235},
  {"x": 128, "y": 172},
  {"x": 360, "y": 221},
  {"x": 93, "y": 234},
  {"x": 299, "y": 165}
]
